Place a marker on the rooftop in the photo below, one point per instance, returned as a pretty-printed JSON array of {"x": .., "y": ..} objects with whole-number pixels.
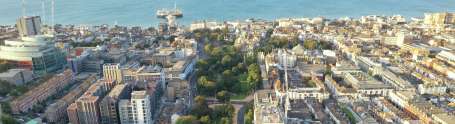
[
  {"x": 445, "y": 117},
  {"x": 11, "y": 72},
  {"x": 117, "y": 90},
  {"x": 266, "y": 108},
  {"x": 364, "y": 81},
  {"x": 299, "y": 109},
  {"x": 138, "y": 95}
]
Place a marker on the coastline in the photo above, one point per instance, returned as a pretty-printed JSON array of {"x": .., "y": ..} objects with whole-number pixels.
[
  {"x": 142, "y": 12},
  {"x": 237, "y": 20}
]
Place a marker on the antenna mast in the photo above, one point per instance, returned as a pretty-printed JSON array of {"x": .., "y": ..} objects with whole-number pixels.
[
  {"x": 43, "y": 8},
  {"x": 23, "y": 8},
  {"x": 53, "y": 14}
]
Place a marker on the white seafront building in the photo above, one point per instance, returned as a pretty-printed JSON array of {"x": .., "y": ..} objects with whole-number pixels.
[{"x": 36, "y": 53}]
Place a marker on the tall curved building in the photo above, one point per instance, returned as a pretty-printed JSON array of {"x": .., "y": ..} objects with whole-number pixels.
[{"x": 37, "y": 53}]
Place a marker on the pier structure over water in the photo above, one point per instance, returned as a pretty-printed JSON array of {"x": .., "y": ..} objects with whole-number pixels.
[
  {"x": 163, "y": 13},
  {"x": 170, "y": 16}
]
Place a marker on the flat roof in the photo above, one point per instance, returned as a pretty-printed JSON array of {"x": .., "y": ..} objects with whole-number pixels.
[
  {"x": 117, "y": 90},
  {"x": 138, "y": 94},
  {"x": 445, "y": 117},
  {"x": 11, "y": 72}
]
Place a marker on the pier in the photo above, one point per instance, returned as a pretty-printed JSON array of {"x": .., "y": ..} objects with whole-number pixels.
[{"x": 163, "y": 13}]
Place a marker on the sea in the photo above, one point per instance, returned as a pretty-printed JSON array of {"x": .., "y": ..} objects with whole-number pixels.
[{"x": 143, "y": 12}]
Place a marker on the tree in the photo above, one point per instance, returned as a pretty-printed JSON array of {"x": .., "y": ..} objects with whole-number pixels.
[
  {"x": 201, "y": 63},
  {"x": 223, "y": 96},
  {"x": 200, "y": 108},
  {"x": 253, "y": 68},
  {"x": 226, "y": 60},
  {"x": 205, "y": 120},
  {"x": 7, "y": 119},
  {"x": 225, "y": 31},
  {"x": 200, "y": 100},
  {"x": 325, "y": 45},
  {"x": 202, "y": 80},
  {"x": 146, "y": 46},
  {"x": 225, "y": 110},
  {"x": 230, "y": 50},
  {"x": 187, "y": 120},
  {"x": 225, "y": 120},
  {"x": 216, "y": 52},
  {"x": 6, "y": 108},
  {"x": 205, "y": 85},
  {"x": 227, "y": 73},
  {"x": 235, "y": 70},
  {"x": 14, "y": 93},
  {"x": 328, "y": 70},
  {"x": 229, "y": 79},
  {"x": 214, "y": 36},
  {"x": 252, "y": 80},
  {"x": 310, "y": 44},
  {"x": 254, "y": 75},
  {"x": 241, "y": 67},
  {"x": 202, "y": 67},
  {"x": 208, "y": 48},
  {"x": 21, "y": 89},
  {"x": 220, "y": 38},
  {"x": 251, "y": 60},
  {"x": 5, "y": 88},
  {"x": 249, "y": 116},
  {"x": 5, "y": 66}
]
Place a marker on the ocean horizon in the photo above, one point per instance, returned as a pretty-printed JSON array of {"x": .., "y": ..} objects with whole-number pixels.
[{"x": 142, "y": 12}]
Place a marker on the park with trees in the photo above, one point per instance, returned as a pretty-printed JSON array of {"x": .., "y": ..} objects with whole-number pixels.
[
  {"x": 201, "y": 113},
  {"x": 223, "y": 72},
  {"x": 227, "y": 70}
]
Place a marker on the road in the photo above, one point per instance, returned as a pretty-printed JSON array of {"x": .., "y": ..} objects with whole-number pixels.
[
  {"x": 241, "y": 115},
  {"x": 193, "y": 77},
  {"x": 193, "y": 88}
]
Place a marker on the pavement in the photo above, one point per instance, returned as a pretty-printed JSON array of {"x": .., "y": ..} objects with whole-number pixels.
[{"x": 241, "y": 115}]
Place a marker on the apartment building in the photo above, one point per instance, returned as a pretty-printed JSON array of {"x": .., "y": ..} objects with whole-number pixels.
[
  {"x": 137, "y": 109},
  {"x": 42, "y": 92}
]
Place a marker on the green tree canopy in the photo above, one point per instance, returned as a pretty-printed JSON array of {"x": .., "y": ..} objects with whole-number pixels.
[
  {"x": 226, "y": 60},
  {"x": 223, "y": 96},
  {"x": 208, "y": 48},
  {"x": 206, "y": 85},
  {"x": 5, "y": 66},
  {"x": 225, "y": 120},
  {"x": 216, "y": 52},
  {"x": 5, "y": 88},
  {"x": 254, "y": 75},
  {"x": 310, "y": 44},
  {"x": 8, "y": 119},
  {"x": 205, "y": 120},
  {"x": 200, "y": 108},
  {"x": 249, "y": 116},
  {"x": 187, "y": 120},
  {"x": 225, "y": 110}
]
